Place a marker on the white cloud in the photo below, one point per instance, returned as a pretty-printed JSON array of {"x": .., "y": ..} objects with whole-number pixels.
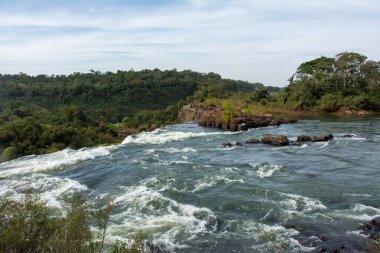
[{"x": 252, "y": 40}]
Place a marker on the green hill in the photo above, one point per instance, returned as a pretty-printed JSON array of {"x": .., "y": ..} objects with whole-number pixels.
[{"x": 40, "y": 114}]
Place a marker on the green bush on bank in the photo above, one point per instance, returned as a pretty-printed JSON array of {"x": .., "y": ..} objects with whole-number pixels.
[
  {"x": 30, "y": 226},
  {"x": 8, "y": 154}
]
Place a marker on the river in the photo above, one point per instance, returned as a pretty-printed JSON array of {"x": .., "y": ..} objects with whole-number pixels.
[{"x": 189, "y": 194}]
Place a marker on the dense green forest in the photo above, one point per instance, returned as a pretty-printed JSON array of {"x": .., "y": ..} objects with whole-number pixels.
[
  {"x": 326, "y": 84},
  {"x": 41, "y": 114}
]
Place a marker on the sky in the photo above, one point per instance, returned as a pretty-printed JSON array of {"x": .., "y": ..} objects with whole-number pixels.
[{"x": 253, "y": 40}]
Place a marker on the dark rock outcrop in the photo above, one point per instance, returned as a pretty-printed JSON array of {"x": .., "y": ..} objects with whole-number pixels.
[
  {"x": 152, "y": 248},
  {"x": 253, "y": 141},
  {"x": 321, "y": 138},
  {"x": 372, "y": 230},
  {"x": 373, "y": 227},
  {"x": 230, "y": 145},
  {"x": 214, "y": 224},
  {"x": 227, "y": 145},
  {"x": 275, "y": 140}
]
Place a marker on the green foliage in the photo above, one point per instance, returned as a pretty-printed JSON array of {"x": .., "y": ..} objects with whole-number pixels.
[
  {"x": 270, "y": 237},
  {"x": 262, "y": 96},
  {"x": 212, "y": 102},
  {"x": 228, "y": 112},
  {"x": 150, "y": 119},
  {"x": 29, "y": 226},
  {"x": 377, "y": 239},
  {"x": 363, "y": 101},
  {"x": 222, "y": 88},
  {"x": 327, "y": 82},
  {"x": 41, "y": 114},
  {"x": 35, "y": 135},
  {"x": 329, "y": 103},
  {"x": 137, "y": 245},
  {"x": 8, "y": 154}
]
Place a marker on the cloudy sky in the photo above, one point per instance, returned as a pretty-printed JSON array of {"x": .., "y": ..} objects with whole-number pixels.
[{"x": 254, "y": 40}]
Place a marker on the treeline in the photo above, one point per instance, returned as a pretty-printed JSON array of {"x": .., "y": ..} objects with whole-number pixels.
[
  {"x": 325, "y": 84},
  {"x": 41, "y": 114}
]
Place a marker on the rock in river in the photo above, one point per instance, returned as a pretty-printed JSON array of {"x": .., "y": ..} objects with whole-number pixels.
[{"x": 275, "y": 140}]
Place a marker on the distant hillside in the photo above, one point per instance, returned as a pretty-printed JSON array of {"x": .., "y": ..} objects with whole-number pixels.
[
  {"x": 40, "y": 114},
  {"x": 111, "y": 95}
]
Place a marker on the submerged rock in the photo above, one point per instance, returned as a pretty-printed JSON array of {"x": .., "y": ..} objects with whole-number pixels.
[
  {"x": 253, "y": 141},
  {"x": 372, "y": 230},
  {"x": 152, "y": 248},
  {"x": 303, "y": 138},
  {"x": 214, "y": 224},
  {"x": 321, "y": 138},
  {"x": 275, "y": 140},
  {"x": 325, "y": 137},
  {"x": 375, "y": 222},
  {"x": 227, "y": 145},
  {"x": 341, "y": 249},
  {"x": 297, "y": 227}
]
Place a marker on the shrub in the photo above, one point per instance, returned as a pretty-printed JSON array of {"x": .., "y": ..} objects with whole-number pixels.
[
  {"x": 8, "y": 154},
  {"x": 30, "y": 226},
  {"x": 329, "y": 103},
  {"x": 363, "y": 102},
  {"x": 137, "y": 245},
  {"x": 228, "y": 111}
]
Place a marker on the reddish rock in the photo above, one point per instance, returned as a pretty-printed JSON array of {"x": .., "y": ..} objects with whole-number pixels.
[
  {"x": 362, "y": 113},
  {"x": 212, "y": 117}
]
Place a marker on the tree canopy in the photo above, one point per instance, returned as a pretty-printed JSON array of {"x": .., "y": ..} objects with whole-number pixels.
[{"x": 348, "y": 75}]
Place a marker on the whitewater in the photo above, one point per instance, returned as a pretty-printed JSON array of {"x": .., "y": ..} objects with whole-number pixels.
[{"x": 189, "y": 194}]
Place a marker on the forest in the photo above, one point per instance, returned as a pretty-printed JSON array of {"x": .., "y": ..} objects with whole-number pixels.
[
  {"x": 326, "y": 84},
  {"x": 43, "y": 114}
]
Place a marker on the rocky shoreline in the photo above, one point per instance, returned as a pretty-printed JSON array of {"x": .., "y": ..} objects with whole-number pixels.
[{"x": 212, "y": 116}]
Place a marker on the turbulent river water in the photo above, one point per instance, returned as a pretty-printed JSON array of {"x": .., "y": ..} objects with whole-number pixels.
[{"x": 188, "y": 194}]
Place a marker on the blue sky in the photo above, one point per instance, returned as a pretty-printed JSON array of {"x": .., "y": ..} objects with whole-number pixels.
[{"x": 254, "y": 40}]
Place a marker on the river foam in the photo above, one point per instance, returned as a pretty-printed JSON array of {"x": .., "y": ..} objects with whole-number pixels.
[
  {"x": 265, "y": 169},
  {"x": 57, "y": 160},
  {"x": 51, "y": 189},
  {"x": 164, "y": 135},
  {"x": 163, "y": 218}
]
